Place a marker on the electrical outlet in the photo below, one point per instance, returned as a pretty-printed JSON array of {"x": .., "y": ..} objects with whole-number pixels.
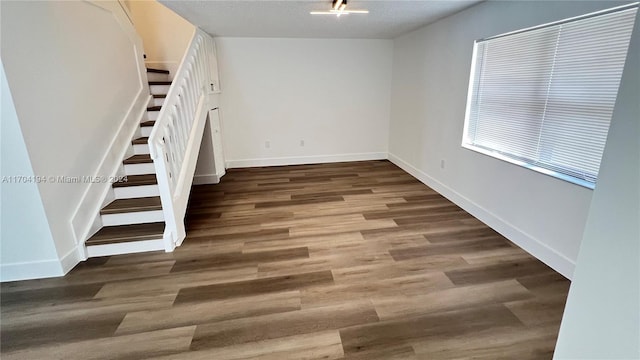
[
  {"x": 301, "y": 142},
  {"x": 442, "y": 164},
  {"x": 267, "y": 144}
]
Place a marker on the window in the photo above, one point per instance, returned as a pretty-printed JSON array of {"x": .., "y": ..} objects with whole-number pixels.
[{"x": 543, "y": 97}]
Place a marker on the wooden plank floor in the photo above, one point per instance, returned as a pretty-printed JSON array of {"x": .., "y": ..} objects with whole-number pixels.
[{"x": 334, "y": 261}]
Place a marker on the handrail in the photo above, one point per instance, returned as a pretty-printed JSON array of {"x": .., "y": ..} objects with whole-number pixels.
[{"x": 175, "y": 139}]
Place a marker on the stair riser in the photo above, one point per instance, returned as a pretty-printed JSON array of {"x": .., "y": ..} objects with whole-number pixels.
[
  {"x": 158, "y": 101},
  {"x": 139, "y": 169},
  {"x": 157, "y": 77},
  {"x": 138, "y": 217},
  {"x": 145, "y": 131},
  {"x": 152, "y": 115},
  {"x": 159, "y": 89},
  {"x": 141, "y": 149},
  {"x": 129, "y": 192},
  {"x": 125, "y": 248}
]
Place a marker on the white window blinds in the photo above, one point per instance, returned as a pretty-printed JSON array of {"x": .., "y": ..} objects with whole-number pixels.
[{"x": 543, "y": 97}]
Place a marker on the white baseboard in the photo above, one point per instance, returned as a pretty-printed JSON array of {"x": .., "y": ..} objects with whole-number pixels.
[
  {"x": 206, "y": 179},
  {"x": 71, "y": 259},
  {"x": 304, "y": 160},
  {"x": 40, "y": 269},
  {"x": 31, "y": 270},
  {"x": 533, "y": 246}
]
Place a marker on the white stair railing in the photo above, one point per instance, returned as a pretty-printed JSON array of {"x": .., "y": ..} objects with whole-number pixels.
[{"x": 175, "y": 139}]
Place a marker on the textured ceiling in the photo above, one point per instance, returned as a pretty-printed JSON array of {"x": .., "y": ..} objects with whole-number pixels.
[{"x": 265, "y": 18}]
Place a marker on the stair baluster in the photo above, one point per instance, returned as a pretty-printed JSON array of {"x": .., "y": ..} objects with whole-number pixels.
[{"x": 175, "y": 139}]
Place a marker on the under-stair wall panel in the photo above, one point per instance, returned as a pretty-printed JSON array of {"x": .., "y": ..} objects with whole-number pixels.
[{"x": 210, "y": 167}]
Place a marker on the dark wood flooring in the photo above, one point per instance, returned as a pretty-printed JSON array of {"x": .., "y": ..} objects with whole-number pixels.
[{"x": 334, "y": 261}]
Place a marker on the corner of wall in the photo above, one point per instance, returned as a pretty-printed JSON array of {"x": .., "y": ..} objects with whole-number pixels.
[
  {"x": 601, "y": 317},
  {"x": 27, "y": 242}
]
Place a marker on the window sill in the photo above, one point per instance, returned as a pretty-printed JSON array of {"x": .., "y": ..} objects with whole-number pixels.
[{"x": 499, "y": 156}]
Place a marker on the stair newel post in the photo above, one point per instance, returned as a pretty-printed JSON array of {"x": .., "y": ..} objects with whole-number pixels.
[
  {"x": 160, "y": 153},
  {"x": 212, "y": 63}
]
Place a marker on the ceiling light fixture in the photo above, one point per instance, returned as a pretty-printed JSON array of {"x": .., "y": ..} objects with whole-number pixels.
[{"x": 339, "y": 8}]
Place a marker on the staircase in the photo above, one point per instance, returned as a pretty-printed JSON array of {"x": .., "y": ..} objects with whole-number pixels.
[
  {"x": 146, "y": 211},
  {"x": 134, "y": 221}
]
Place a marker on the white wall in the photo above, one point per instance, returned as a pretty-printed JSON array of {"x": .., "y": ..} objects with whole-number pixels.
[
  {"x": 166, "y": 37},
  {"x": 333, "y": 94},
  {"x": 431, "y": 68},
  {"x": 77, "y": 82},
  {"x": 165, "y": 34},
  {"x": 602, "y": 316},
  {"x": 25, "y": 237}
]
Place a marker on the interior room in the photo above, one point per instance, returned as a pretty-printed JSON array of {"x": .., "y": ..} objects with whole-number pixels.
[{"x": 320, "y": 179}]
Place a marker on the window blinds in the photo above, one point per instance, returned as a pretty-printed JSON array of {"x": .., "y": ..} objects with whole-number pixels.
[{"x": 543, "y": 98}]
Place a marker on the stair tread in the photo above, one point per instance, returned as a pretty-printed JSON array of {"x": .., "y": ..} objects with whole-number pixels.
[
  {"x": 154, "y": 108},
  {"x": 127, "y": 233},
  {"x": 141, "y": 141},
  {"x": 132, "y": 205},
  {"x": 159, "y": 82},
  {"x": 137, "y": 180},
  {"x": 138, "y": 159},
  {"x": 158, "y": 71},
  {"x": 159, "y": 96},
  {"x": 148, "y": 123}
]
